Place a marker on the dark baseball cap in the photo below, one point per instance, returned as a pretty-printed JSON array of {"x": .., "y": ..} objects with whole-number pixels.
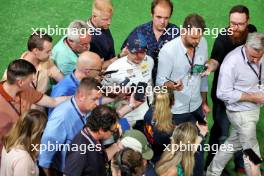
[{"x": 136, "y": 43}]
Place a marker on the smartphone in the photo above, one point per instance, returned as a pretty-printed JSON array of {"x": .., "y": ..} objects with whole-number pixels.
[
  {"x": 196, "y": 69},
  {"x": 140, "y": 91},
  {"x": 171, "y": 81},
  {"x": 252, "y": 156},
  {"x": 201, "y": 121}
]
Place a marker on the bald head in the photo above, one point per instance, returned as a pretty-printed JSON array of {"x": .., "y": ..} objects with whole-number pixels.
[
  {"x": 88, "y": 60},
  {"x": 89, "y": 63}
]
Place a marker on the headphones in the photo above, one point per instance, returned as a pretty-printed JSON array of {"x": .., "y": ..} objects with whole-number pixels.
[{"x": 124, "y": 168}]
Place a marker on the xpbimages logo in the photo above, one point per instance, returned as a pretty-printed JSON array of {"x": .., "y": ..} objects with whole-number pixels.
[
  {"x": 60, "y": 31},
  {"x": 128, "y": 90},
  {"x": 51, "y": 147},
  {"x": 213, "y": 32},
  {"x": 194, "y": 147}
]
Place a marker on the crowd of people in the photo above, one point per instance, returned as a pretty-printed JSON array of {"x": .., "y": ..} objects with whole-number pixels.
[{"x": 80, "y": 109}]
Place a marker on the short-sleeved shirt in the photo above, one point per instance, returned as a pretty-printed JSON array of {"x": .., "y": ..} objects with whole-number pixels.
[
  {"x": 64, "y": 57},
  {"x": 65, "y": 87},
  {"x": 91, "y": 161},
  {"x": 135, "y": 73},
  {"x": 11, "y": 109},
  {"x": 153, "y": 46},
  {"x": 17, "y": 162},
  {"x": 63, "y": 124},
  {"x": 175, "y": 65},
  {"x": 102, "y": 42},
  {"x": 222, "y": 46}
]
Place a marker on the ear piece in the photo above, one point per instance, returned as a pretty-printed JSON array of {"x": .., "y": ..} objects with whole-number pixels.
[{"x": 124, "y": 168}]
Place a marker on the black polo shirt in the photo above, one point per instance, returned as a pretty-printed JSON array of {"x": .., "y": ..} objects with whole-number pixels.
[
  {"x": 222, "y": 46},
  {"x": 103, "y": 45},
  {"x": 81, "y": 162}
]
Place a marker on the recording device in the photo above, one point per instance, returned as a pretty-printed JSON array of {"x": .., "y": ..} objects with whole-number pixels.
[
  {"x": 140, "y": 91},
  {"x": 252, "y": 156},
  {"x": 196, "y": 69},
  {"x": 110, "y": 72}
]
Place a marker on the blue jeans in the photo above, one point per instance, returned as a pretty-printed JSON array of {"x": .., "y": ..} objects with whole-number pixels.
[
  {"x": 219, "y": 133},
  {"x": 192, "y": 117}
]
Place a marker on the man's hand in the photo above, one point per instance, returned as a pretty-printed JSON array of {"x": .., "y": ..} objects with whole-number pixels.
[
  {"x": 206, "y": 109},
  {"x": 203, "y": 129},
  {"x": 178, "y": 86},
  {"x": 211, "y": 65},
  {"x": 253, "y": 97},
  {"x": 134, "y": 102},
  {"x": 124, "y": 52}
]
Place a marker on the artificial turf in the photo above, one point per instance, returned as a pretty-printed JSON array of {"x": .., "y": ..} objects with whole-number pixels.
[{"x": 19, "y": 17}]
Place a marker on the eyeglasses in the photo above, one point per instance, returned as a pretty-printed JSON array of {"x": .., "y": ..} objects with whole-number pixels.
[
  {"x": 234, "y": 24},
  {"x": 93, "y": 69},
  {"x": 99, "y": 70}
]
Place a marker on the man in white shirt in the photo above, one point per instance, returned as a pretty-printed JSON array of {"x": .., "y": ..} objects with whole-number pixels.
[{"x": 137, "y": 67}]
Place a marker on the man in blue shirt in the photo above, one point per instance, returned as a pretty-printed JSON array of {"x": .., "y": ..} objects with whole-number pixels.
[
  {"x": 65, "y": 122},
  {"x": 88, "y": 64},
  {"x": 158, "y": 31}
]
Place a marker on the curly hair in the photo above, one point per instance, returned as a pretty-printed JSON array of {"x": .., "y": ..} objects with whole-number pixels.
[{"x": 102, "y": 117}]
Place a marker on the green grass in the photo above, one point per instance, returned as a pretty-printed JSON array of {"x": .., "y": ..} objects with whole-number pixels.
[{"x": 18, "y": 17}]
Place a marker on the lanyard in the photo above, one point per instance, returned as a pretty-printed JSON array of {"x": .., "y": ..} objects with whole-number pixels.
[
  {"x": 191, "y": 62},
  {"x": 251, "y": 67},
  {"x": 14, "y": 108},
  {"x": 74, "y": 81},
  {"x": 79, "y": 114}
]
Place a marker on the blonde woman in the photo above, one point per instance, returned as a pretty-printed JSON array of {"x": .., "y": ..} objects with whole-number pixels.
[
  {"x": 180, "y": 161},
  {"x": 158, "y": 125},
  {"x": 21, "y": 145}
]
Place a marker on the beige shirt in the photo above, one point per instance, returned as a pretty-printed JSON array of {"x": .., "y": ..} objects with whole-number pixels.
[{"x": 17, "y": 162}]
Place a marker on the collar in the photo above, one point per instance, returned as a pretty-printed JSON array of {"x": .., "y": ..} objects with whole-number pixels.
[
  {"x": 6, "y": 96},
  {"x": 150, "y": 28},
  {"x": 74, "y": 79},
  {"x": 91, "y": 25},
  {"x": 133, "y": 64},
  {"x": 77, "y": 108},
  {"x": 183, "y": 46},
  {"x": 88, "y": 136},
  {"x": 244, "y": 54}
]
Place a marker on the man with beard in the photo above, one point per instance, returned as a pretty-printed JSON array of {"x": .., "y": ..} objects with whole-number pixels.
[
  {"x": 238, "y": 30},
  {"x": 177, "y": 69}
]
